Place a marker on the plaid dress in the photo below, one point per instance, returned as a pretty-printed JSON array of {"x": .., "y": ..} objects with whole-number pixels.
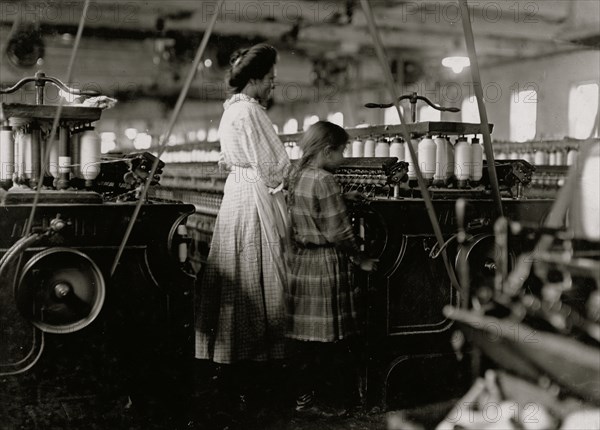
[
  {"x": 241, "y": 310},
  {"x": 321, "y": 299}
]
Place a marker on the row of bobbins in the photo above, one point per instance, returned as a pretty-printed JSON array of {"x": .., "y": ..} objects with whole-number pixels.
[
  {"x": 21, "y": 156},
  {"x": 439, "y": 159},
  {"x": 552, "y": 156}
]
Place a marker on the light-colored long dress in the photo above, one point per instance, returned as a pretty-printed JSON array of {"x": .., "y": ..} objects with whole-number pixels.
[{"x": 241, "y": 314}]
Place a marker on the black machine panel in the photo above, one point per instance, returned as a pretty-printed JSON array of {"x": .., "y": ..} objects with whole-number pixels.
[{"x": 87, "y": 341}]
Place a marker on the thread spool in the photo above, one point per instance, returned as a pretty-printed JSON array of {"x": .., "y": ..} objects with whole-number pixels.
[
  {"x": 295, "y": 152},
  {"x": 540, "y": 158},
  {"x": 382, "y": 149},
  {"x": 288, "y": 149},
  {"x": 358, "y": 149},
  {"x": 20, "y": 140},
  {"x": 560, "y": 157},
  {"x": 7, "y": 156},
  {"x": 76, "y": 153},
  {"x": 347, "y": 150},
  {"x": 450, "y": 158},
  {"x": 369, "y": 149},
  {"x": 89, "y": 147},
  {"x": 462, "y": 154},
  {"x": 476, "y": 171},
  {"x": 51, "y": 168},
  {"x": 397, "y": 149},
  {"x": 552, "y": 158},
  {"x": 412, "y": 176},
  {"x": 427, "y": 157},
  {"x": 572, "y": 157},
  {"x": 441, "y": 161}
]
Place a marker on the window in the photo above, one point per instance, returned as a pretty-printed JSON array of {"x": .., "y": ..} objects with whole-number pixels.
[
  {"x": 107, "y": 141},
  {"x": 290, "y": 126},
  {"x": 336, "y": 118},
  {"x": 469, "y": 111},
  {"x": 523, "y": 115},
  {"x": 142, "y": 141},
  {"x": 309, "y": 120},
  {"x": 427, "y": 113},
  {"x": 583, "y": 107},
  {"x": 390, "y": 116}
]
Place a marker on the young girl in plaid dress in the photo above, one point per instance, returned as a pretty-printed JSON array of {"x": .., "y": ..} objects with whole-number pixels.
[{"x": 321, "y": 299}]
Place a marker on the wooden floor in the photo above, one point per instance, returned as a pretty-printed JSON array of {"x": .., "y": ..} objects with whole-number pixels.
[{"x": 33, "y": 404}]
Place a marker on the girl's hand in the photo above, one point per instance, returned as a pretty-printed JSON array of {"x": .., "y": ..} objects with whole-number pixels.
[
  {"x": 368, "y": 264},
  {"x": 354, "y": 196},
  {"x": 365, "y": 263}
]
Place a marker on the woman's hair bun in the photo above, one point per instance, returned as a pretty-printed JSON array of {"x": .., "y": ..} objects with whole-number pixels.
[
  {"x": 237, "y": 56},
  {"x": 250, "y": 63}
]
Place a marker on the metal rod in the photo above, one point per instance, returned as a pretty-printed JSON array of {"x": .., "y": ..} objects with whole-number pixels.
[
  {"x": 63, "y": 151},
  {"x": 43, "y": 152},
  {"x": 485, "y": 128},
  {"x": 165, "y": 136},
  {"x": 407, "y": 137}
]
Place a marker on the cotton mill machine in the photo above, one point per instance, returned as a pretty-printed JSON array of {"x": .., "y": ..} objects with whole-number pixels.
[{"x": 77, "y": 324}]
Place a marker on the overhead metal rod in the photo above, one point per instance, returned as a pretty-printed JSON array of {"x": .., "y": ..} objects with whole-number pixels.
[
  {"x": 162, "y": 145},
  {"x": 393, "y": 89},
  {"x": 485, "y": 128}
]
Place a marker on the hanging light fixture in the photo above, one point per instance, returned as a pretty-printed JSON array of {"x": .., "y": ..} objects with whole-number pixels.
[{"x": 456, "y": 63}]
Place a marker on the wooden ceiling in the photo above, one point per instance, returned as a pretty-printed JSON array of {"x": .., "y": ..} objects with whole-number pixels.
[{"x": 143, "y": 48}]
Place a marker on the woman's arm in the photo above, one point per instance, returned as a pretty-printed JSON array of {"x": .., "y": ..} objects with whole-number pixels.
[{"x": 262, "y": 146}]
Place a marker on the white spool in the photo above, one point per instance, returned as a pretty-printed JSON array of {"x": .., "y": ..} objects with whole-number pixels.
[
  {"x": 560, "y": 157},
  {"x": 64, "y": 164},
  {"x": 540, "y": 158},
  {"x": 427, "y": 157},
  {"x": 450, "y": 158},
  {"x": 382, "y": 149},
  {"x": 89, "y": 146},
  {"x": 347, "y": 150},
  {"x": 441, "y": 159},
  {"x": 295, "y": 152},
  {"x": 572, "y": 157},
  {"x": 52, "y": 158},
  {"x": 407, "y": 157},
  {"x": 358, "y": 149},
  {"x": 476, "y": 171},
  {"x": 7, "y": 153},
  {"x": 462, "y": 159},
  {"x": 397, "y": 149},
  {"x": 369, "y": 150}
]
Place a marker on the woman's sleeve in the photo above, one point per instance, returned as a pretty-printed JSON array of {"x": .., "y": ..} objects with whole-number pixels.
[
  {"x": 263, "y": 148},
  {"x": 334, "y": 222}
]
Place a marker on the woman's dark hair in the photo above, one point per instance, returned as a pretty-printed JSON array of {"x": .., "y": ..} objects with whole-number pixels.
[
  {"x": 320, "y": 135},
  {"x": 251, "y": 63}
]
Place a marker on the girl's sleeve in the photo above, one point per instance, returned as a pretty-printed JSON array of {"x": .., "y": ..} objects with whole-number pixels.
[
  {"x": 263, "y": 148},
  {"x": 334, "y": 222}
]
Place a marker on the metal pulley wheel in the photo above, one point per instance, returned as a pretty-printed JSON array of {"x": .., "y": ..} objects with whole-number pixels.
[
  {"x": 61, "y": 290},
  {"x": 481, "y": 253}
]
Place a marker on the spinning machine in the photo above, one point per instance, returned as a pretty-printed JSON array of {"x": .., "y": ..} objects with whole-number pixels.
[
  {"x": 403, "y": 300},
  {"x": 76, "y": 325}
]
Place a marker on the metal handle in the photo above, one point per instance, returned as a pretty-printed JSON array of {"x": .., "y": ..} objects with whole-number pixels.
[
  {"x": 40, "y": 80},
  {"x": 412, "y": 98}
]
